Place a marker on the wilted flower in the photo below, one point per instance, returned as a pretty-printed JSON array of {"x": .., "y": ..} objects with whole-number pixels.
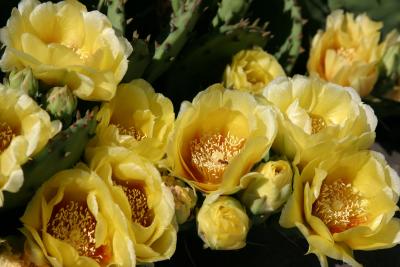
[
  {"x": 344, "y": 203},
  {"x": 136, "y": 118},
  {"x": 348, "y": 51},
  {"x": 24, "y": 130},
  {"x": 268, "y": 188},
  {"x": 185, "y": 198},
  {"x": 317, "y": 118},
  {"x": 136, "y": 186},
  {"x": 64, "y": 44},
  {"x": 219, "y": 137},
  {"x": 223, "y": 224},
  {"x": 72, "y": 221},
  {"x": 251, "y": 70},
  {"x": 24, "y": 80}
]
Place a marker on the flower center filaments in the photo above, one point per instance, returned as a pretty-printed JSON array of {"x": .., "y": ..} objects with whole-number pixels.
[
  {"x": 346, "y": 53},
  {"x": 211, "y": 154},
  {"x": 6, "y": 135},
  {"x": 132, "y": 131},
  {"x": 83, "y": 55},
  {"x": 317, "y": 123},
  {"x": 340, "y": 206},
  {"x": 71, "y": 221},
  {"x": 137, "y": 199}
]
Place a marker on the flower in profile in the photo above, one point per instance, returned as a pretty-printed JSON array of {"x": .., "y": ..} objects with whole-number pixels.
[
  {"x": 267, "y": 189},
  {"x": 219, "y": 137},
  {"x": 344, "y": 203},
  {"x": 136, "y": 118},
  {"x": 251, "y": 70},
  {"x": 348, "y": 51},
  {"x": 317, "y": 118},
  {"x": 64, "y": 44},
  {"x": 24, "y": 130},
  {"x": 148, "y": 205},
  {"x": 71, "y": 221},
  {"x": 223, "y": 224}
]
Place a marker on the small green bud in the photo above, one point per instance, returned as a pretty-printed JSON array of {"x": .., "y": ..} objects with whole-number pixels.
[
  {"x": 25, "y": 81},
  {"x": 61, "y": 103}
]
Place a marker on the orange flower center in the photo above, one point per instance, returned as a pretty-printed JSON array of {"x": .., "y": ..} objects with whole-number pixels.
[
  {"x": 71, "y": 221},
  {"x": 6, "y": 135},
  {"x": 211, "y": 154},
  {"x": 137, "y": 198},
  {"x": 340, "y": 206},
  {"x": 317, "y": 123},
  {"x": 132, "y": 131}
]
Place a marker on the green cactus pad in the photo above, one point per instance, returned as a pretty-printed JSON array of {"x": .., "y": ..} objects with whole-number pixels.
[
  {"x": 116, "y": 14},
  {"x": 62, "y": 152},
  {"x": 138, "y": 60},
  {"x": 291, "y": 48},
  {"x": 231, "y": 11},
  {"x": 184, "y": 17}
]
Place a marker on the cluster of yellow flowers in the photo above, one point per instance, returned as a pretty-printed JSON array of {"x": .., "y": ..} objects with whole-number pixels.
[{"x": 143, "y": 167}]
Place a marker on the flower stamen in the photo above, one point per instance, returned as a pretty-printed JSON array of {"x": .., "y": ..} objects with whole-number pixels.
[
  {"x": 317, "y": 123},
  {"x": 71, "y": 221},
  {"x": 137, "y": 199},
  {"x": 211, "y": 154},
  {"x": 347, "y": 53},
  {"x": 340, "y": 206},
  {"x": 132, "y": 131},
  {"x": 83, "y": 55},
  {"x": 6, "y": 135}
]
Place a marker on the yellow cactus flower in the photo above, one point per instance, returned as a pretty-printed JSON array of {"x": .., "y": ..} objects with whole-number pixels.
[
  {"x": 72, "y": 221},
  {"x": 348, "y": 51},
  {"x": 24, "y": 130},
  {"x": 251, "y": 70},
  {"x": 267, "y": 189},
  {"x": 136, "y": 186},
  {"x": 344, "y": 203},
  {"x": 64, "y": 44},
  {"x": 223, "y": 224},
  {"x": 138, "y": 119},
  {"x": 219, "y": 137},
  {"x": 317, "y": 118}
]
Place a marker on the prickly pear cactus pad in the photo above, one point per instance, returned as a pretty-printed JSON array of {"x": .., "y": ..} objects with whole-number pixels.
[{"x": 199, "y": 133}]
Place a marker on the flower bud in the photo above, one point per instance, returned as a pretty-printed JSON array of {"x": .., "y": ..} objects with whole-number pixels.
[
  {"x": 223, "y": 224},
  {"x": 61, "y": 103},
  {"x": 251, "y": 70},
  {"x": 184, "y": 197},
  {"x": 25, "y": 81},
  {"x": 269, "y": 189}
]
